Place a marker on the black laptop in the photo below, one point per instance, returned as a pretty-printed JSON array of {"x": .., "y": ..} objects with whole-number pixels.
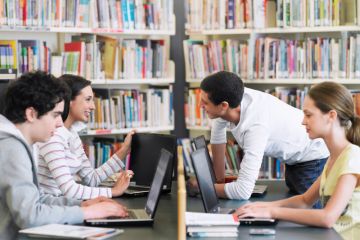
[
  {"x": 206, "y": 185},
  {"x": 145, "y": 151},
  {"x": 200, "y": 142},
  {"x": 144, "y": 216}
]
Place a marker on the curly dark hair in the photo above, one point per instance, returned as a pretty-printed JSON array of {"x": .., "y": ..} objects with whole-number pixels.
[
  {"x": 75, "y": 84},
  {"x": 39, "y": 90},
  {"x": 223, "y": 86}
]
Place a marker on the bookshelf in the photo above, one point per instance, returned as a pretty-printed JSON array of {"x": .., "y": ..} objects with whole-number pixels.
[
  {"x": 141, "y": 30},
  {"x": 219, "y": 30},
  {"x": 240, "y": 36}
]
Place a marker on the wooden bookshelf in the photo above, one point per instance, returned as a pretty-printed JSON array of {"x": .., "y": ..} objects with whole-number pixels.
[
  {"x": 57, "y": 32},
  {"x": 203, "y": 29}
]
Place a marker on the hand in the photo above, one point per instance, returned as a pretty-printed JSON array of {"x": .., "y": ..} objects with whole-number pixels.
[
  {"x": 257, "y": 209},
  {"x": 105, "y": 209},
  {"x": 94, "y": 201},
  {"x": 126, "y": 146},
  {"x": 122, "y": 183},
  {"x": 192, "y": 187}
]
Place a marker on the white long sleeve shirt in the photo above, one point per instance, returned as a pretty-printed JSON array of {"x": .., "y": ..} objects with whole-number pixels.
[
  {"x": 267, "y": 127},
  {"x": 62, "y": 158}
]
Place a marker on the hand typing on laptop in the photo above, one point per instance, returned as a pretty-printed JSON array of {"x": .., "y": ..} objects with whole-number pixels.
[
  {"x": 122, "y": 183},
  {"x": 103, "y": 207},
  {"x": 256, "y": 210}
]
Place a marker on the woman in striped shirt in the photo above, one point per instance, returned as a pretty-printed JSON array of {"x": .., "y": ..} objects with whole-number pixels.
[{"x": 63, "y": 157}]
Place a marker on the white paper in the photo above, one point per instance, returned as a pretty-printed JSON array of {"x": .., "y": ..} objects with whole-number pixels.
[{"x": 68, "y": 231}]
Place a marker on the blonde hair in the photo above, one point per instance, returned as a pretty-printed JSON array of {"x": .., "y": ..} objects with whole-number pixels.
[{"x": 333, "y": 96}]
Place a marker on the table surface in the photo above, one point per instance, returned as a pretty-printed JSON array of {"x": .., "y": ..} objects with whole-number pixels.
[
  {"x": 284, "y": 230},
  {"x": 165, "y": 225}
]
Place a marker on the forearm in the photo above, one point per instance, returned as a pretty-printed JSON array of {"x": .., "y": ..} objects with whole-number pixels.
[
  {"x": 220, "y": 190},
  {"x": 121, "y": 154},
  {"x": 313, "y": 217},
  {"x": 292, "y": 202},
  {"x": 93, "y": 177}
]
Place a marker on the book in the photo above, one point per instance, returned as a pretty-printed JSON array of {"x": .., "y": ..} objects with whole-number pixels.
[
  {"x": 210, "y": 219},
  {"x": 211, "y": 225},
  {"x": 71, "y": 232}
]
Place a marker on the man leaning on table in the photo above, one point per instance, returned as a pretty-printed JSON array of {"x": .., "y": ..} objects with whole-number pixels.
[{"x": 262, "y": 125}]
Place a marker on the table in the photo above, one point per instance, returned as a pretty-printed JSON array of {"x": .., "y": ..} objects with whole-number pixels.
[
  {"x": 284, "y": 230},
  {"x": 165, "y": 225}
]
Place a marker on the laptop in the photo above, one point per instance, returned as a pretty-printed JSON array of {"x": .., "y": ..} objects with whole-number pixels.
[
  {"x": 200, "y": 142},
  {"x": 206, "y": 186},
  {"x": 145, "y": 151},
  {"x": 143, "y": 217}
]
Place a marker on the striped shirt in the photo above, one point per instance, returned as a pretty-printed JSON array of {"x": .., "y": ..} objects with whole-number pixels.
[{"x": 63, "y": 158}]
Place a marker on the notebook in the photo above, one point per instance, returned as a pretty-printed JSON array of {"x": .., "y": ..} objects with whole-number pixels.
[
  {"x": 206, "y": 185},
  {"x": 145, "y": 151},
  {"x": 70, "y": 232},
  {"x": 200, "y": 142},
  {"x": 142, "y": 217}
]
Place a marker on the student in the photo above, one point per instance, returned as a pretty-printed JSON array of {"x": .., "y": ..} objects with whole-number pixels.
[
  {"x": 328, "y": 114},
  {"x": 262, "y": 125},
  {"x": 63, "y": 156},
  {"x": 33, "y": 107}
]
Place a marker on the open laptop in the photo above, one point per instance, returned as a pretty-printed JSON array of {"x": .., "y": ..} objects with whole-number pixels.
[
  {"x": 206, "y": 185},
  {"x": 142, "y": 216},
  {"x": 200, "y": 142},
  {"x": 145, "y": 150}
]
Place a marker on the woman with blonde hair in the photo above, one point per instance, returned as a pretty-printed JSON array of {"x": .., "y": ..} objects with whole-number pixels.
[{"x": 328, "y": 114}]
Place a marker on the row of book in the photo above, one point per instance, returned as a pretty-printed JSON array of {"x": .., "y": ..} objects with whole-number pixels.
[
  {"x": 292, "y": 96},
  {"x": 302, "y": 13},
  {"x": 215, "y": 14},
  {"x": 99, "y": 57},
  {"x": 116, "y": 15},
  {"x": 233, "y": 156},
  {"x": 25, "y": 55},
  {"x": 205, "y": 57},
  {"x": 196, "y": 116},
  {"x": 230, "y": 14},
  {"x": 100, "y": 150},
  {"x": 132, "y": 108},
  {"x": 90, "y": 56},
  {"x": 272, "y": 168},
  {"x": 311, "y": 58},
  {"x": 275, "y": 58}
]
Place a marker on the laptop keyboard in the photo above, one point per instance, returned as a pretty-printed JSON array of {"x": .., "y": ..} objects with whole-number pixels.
[{"x": 137, "y": 214}]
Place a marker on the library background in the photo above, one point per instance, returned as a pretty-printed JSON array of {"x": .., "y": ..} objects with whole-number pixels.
[{"x": 146, "y": 59}]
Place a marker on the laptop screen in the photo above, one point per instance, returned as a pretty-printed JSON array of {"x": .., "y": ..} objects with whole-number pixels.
[
  {"x": 157, "y": 182},
  {"x": 145, "y": 152},
  {"x": 203, "y": 175},
  {"x": 200, "y": 142}
]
